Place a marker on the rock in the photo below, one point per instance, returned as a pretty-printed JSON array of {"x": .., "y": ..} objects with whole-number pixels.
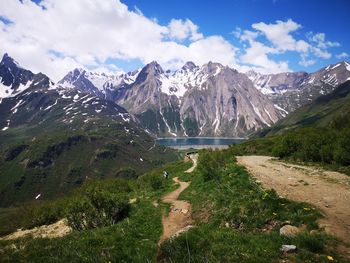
[
  {"x": 132, "y": 200},
  {"x": 289, "y": 231},
  {"x": 288, "y": 248}
]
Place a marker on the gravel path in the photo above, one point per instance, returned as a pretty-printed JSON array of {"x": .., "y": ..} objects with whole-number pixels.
[{"x": 329, "y": 191}]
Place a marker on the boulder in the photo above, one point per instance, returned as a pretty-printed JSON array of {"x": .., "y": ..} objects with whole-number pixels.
[{"x": 288, "y": 248}]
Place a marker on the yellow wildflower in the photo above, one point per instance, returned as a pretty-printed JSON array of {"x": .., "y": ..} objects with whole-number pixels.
[{"x": 330, "y": 258}]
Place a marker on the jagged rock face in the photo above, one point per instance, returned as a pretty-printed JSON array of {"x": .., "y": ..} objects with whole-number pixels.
[
  {"x": 211, "y": 100},
  {"x": 157, "y": 111},
  {"x": 295, "y": 89},
  {"x": 229, "y": 105},
  {"x": 34, "y": 100},
  {"x": 15, "y": 79},
  {"x": 215, "y": 101},
  {"x": 99, "y": 84}
]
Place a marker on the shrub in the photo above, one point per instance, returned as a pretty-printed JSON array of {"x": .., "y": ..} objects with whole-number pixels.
[
  {"x": 342, "y": 148},
  {"x": 210, "y": 163},
  {"x": 153, "y": 181},
  {"x": 96, "y": 208},
  {"x": 128, "y": 173}
]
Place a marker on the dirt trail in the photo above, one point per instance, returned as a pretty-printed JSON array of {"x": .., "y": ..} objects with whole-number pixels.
[
  {"x": 179, "y": 217},
  {"x": 329, "y": 191}
]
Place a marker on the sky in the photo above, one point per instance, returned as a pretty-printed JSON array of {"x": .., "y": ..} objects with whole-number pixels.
[{"x": 268, "y": 36}]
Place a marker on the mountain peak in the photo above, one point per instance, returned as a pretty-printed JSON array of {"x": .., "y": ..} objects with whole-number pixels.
[
  {"x": 154, "y": 68},
  {"x": 8, "y": 61},
  {"x": 189, "y": 65}
]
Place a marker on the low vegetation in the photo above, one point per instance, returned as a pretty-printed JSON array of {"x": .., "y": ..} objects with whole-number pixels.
[
  {"x": 235, "y": 219},
  {"x": 238, "y": 221},
  {"x": 329, "y": 147},
  {"x": 55, "y": 163},
  {"x": 107, "y": 227}
]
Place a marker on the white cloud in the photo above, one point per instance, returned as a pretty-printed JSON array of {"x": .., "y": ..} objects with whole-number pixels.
[
  {"x": 342, "y": 55},
  {"x": 279, "y": 34},
  {"x": 279, "y": 38},
  {"x": 257, "y": 56},
  {"x": 320, "y": 40},
  {"x": 56, "y": 36},
  {"x": 183, "y": 29},
  {"x": 305, "y": 62},
  {"x": 320, "y": 53}
]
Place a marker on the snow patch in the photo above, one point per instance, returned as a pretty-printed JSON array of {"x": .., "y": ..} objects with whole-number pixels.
[{"x": 50, "y": 106}]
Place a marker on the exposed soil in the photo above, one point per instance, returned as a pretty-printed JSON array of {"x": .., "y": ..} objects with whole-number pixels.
[
  {"x": 329, "y": 191},
  {"x": 58, "y": 229},
  {"x": 179, "y": 218}
]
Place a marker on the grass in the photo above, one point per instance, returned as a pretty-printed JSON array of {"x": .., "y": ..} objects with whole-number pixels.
[
  {"x": 133, "y": 239},
  {"x": 235, "y": 220},
  {"x": 238, "y": 221},
  {"x": 55, "y": 163}
]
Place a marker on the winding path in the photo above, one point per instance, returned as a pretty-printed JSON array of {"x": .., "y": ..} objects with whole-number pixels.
[{"x": 179, "y": 218}]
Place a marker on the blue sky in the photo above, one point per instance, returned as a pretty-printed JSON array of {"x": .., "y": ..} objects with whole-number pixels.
[
  {"x": 269, "y": 36},
  {"x": 222, "y": 17}
]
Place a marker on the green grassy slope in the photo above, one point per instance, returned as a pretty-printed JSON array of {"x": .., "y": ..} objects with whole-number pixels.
[
  {"x": 235, "y": 220},
  {"x": 320, "y": 113},
  {"x": 53, "y": 163}
]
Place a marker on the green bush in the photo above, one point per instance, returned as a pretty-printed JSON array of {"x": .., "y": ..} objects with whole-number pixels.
[
  {"x": 97, "y": 208},
  {"x": 210, "y": 163},
  {"x": 342, "y": 148},
  {"x": 315, "y": 145},
  {"x": 153, "y": 181}
]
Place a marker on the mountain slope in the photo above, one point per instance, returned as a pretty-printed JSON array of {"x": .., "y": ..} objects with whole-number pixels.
[
  {"x": 292, "y": 90},
  {"x": 211, "y": 100},
  {"x": 324, "y": 111},
  {"x": 53, "y": 139},
  {"x": 99, "y": 84}
]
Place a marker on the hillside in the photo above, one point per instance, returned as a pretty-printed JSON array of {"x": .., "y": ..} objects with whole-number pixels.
[
  {"x": 244, "y": 227},
  {"x": 321, "y": 113},
  {"x": 53, "y": 140}
]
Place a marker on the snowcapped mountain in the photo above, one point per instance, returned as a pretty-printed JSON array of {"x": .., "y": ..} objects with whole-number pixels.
[
  {"x": 15, "y": 79},
  {"x": 99, "y": 84},
  {"x": 292, "y": 90},
  {"x": 55, "y": 138},
  {"x": 207, "y": 100},
  {"x": 29, "y": 99},
  {"x": 211, "y": 100}
]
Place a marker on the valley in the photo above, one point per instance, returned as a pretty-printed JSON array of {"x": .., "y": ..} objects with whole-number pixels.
[
  {"x": 176, "y": 162},
  {"x": 81, "y": 165}
]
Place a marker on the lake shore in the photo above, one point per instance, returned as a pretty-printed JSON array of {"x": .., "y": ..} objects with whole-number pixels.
[{"x": 198, "y": 147}]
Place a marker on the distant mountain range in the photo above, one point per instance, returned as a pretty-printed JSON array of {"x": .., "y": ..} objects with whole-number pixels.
[
  {"x": 323, "y": 112},
  {"x": 52, "y": 138},
  {"x": 208, "y": 100},
  {"x": 294, "y": 89}
]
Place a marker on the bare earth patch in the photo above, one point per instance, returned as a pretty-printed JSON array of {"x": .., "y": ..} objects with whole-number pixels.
[
  {"x": 58, "y": 229},
  {"x": 329, "y": 191}
]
